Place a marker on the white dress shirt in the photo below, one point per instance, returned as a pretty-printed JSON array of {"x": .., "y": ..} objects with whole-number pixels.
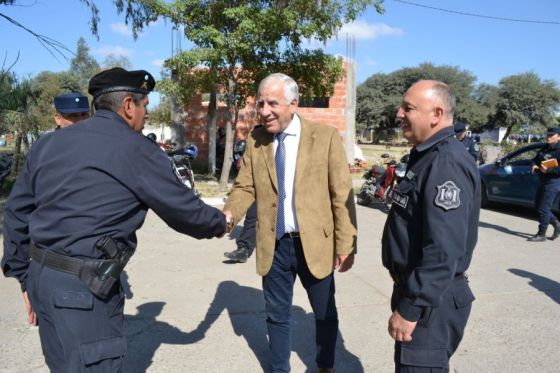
[{"x": 291, "y": 143}]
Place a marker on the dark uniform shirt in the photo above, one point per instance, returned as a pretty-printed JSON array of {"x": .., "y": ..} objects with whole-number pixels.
[
  {"x": 432, "y": 228},
  {"x": 93, "y": 179},
  {"x": 549, "y": 152},
  {"x": 471, "y": 146}
]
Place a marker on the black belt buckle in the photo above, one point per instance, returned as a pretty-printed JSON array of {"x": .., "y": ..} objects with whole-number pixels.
[{"x": 291, "y": 235}]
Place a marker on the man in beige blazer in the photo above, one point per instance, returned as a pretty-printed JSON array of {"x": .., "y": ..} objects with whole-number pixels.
[{"x": 297, "y": 172}]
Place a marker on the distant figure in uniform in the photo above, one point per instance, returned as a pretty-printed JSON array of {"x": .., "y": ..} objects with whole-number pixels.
[
  {"x": 246, "y": 241},
  {"x": 549, "y": 185},
  {"x": 430, "y": 234},
  {"x": 461, "y": 134},
  {"x": 70, "y": 222},
  {"x": 305, "y": 234},
  {"x": 70, "y": 108}
]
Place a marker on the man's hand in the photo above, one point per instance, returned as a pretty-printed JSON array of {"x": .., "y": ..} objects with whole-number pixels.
[
  {"x": 401, "y": 329},
  {"x": 229, "y": 220},
  {"x": 344, "y": 262},
  {"x": 542, "y": 169},
  {"x": 31, "y": 316},
  {"x": 534, "y": 169}
]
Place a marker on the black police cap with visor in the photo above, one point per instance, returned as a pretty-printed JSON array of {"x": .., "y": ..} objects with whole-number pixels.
[
  {"x": 553, "y": 131},
  {"x": 71, "y": 103},
  {"x": 120, "y": 80},
  {"x": 459, "y": 127}
]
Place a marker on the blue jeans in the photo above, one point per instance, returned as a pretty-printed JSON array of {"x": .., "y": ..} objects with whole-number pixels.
[{"x": 278, "y": 286}]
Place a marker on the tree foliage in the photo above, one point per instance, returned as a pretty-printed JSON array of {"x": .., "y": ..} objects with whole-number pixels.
[
  {"x": 237, "y": 43},
  {"x": 83, "y": 64},
  {"x": 379, "y": 97},
  {"x": 525, "y": 101},
  {"x": 117, "y": 61}
]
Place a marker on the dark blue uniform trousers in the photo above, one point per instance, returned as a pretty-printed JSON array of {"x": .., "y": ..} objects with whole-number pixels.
[
  {"x": 248, "y": 235},
  {"x": 278, "y": 286},
  {"x": 546, "y": 194},
  {"x": 78, "y": 331},
  {"x": 437, "y": 334}
]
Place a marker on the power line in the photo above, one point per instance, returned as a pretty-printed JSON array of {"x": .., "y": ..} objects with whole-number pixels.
[{"x": 478, "y": 15}]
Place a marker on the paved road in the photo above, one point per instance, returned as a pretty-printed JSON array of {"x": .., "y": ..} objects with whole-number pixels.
[{"x": 188, "y": 311}]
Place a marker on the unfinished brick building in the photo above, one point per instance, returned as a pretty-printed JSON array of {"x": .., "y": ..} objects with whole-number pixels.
[{"x": 337, "y": 110}]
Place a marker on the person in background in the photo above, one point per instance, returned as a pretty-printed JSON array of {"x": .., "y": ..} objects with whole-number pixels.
[
  {"x": 306, "y": 234},
  {"x": 430, "y": 234},
  {"x": 470, "y": 145},
  {"x": 70, "y": 108},
  {"x": 247, "y": 238},
  {"x": 545, "y": 164}
]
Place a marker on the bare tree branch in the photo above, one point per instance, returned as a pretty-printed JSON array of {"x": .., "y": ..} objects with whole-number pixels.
[{"x": 52, "y": 46}]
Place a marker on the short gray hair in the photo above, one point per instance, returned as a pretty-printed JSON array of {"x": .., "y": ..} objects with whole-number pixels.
[
  {"x": 444, "y": 93},
  {"x": 291, "y": 91},
  {"x": 113, "y": 100}
]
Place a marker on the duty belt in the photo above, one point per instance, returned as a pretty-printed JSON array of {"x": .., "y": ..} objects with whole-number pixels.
[
  {"x": 56, "y": 261},
  {"x": 399, "y": 279}
]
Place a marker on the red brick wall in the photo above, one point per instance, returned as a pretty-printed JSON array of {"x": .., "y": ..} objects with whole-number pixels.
[{"x": 197, "y": 115}]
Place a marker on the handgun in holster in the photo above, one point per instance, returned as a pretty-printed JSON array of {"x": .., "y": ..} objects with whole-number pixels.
[{"x": 100, "y": 275}]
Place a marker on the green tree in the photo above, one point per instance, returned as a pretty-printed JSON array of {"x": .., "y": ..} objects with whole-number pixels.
[
  {"x": 16, "y": 98},
  {"x": 237, "y": 43},
  {"x": 379, "y": 97},
  {"x": 117, "y": 61},
  {"x": 161, "y": 114},
  {"x": 47, "y": 85},
  {"x": 525, "y": 102},
  {"x": 83, "y": 65}
]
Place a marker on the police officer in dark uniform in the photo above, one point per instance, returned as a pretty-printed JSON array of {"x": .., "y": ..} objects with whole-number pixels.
[
  {"x": 71, "y": 219},
  {"x": 549, "y": 184},
  {"x": 467, "y": 141},
  {"x": 70, "y": 108},
  {"x": 430, "y": 234}
]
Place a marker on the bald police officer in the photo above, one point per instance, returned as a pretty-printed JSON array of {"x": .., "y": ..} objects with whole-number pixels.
[
  {"x": 71, "y": 219},
  {"x": 70, "y": 108},
  {"x": 430, "y": 234}
]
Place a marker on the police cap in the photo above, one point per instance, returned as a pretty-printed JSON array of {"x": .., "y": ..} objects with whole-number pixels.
[
  {"x": 120, "y": 80},
  {"x": 553, "y": 131},
  {"x": 459, "y": 127},
  {"x": 70, "y": 103}
]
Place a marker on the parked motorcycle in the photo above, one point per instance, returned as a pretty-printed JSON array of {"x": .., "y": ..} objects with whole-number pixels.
[
  {"x": 182, "y": 161},
  {"x": 380, "y": 182}
]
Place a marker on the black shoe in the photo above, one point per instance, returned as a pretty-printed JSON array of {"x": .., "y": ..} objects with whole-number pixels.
[
  {"x": 240, "y": 255},
  {"x": 556, "y": 232},
  {"x": 537, "y": 238}
]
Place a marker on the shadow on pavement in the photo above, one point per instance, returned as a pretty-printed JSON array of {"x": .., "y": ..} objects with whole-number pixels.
[
  {"x": 144, "y": 335},
  {"x": 499, "y": 228},
  {"x": 520, "y": 211},
  {"x": 546, "y": 285},
  {"x": 246, "y": 311}
]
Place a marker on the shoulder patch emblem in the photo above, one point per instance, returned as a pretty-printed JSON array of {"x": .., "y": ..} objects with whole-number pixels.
[{"x": 448, "y": 196}]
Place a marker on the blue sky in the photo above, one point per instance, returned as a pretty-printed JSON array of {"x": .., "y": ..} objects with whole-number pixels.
[{"x": 405, "y": 36}]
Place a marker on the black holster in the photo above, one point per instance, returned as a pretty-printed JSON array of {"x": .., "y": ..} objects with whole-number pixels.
[{"x": 98, "y": 285}]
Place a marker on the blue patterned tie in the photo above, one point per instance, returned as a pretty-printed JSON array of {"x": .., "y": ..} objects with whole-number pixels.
[{"x": 280, "y": 159}]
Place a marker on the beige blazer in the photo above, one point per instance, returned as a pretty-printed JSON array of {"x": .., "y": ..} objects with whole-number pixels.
[{"x": 324, "y": 201}]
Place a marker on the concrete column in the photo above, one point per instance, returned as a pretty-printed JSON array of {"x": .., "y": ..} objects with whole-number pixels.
[{"x": 350, "y": 112}]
